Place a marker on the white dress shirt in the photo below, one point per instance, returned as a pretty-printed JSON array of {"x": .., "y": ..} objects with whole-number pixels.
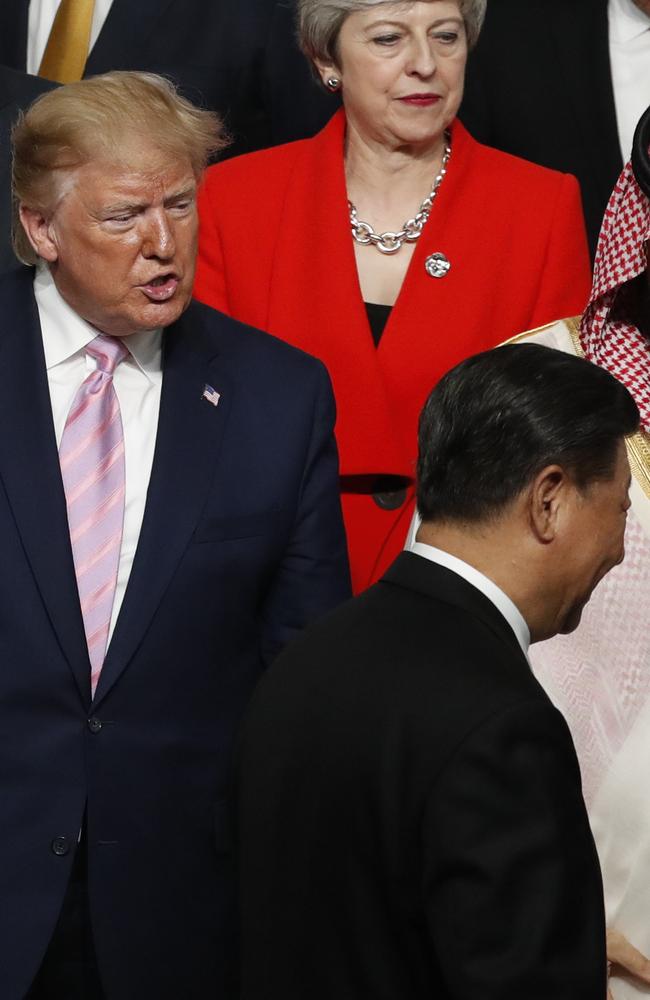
[
  {"x": 39, "y": 25},
  {"x": 501, "y": 601},
  {"x": 629, "y": 52},
  {"x": 138, "y": 383}
]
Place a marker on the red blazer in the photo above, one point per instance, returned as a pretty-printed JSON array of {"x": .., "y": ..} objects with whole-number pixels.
[{"x": 275, "y": 251}]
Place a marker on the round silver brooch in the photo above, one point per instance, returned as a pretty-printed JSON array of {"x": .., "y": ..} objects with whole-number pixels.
[{"x": 437, "y": 265}]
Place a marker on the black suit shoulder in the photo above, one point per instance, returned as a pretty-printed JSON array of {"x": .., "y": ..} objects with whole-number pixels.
[{"x": 396, "y": 657}]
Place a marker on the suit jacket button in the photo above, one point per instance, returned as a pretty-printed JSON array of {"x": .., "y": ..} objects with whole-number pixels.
[
  {"x": 61, "y": 846},
  {"x": 94, "y": 724}
]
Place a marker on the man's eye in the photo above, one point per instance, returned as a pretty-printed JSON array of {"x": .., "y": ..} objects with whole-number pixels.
[{"x": 121, "y": 219}]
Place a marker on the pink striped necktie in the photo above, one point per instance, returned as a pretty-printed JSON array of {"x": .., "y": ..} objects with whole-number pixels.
[{"x": 92, "y": 467}]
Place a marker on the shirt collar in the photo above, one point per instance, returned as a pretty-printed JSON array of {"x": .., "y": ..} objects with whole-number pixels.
[
  {"x": 488, "y": 587},
  {"x": 626, "y": 21},
  {"x": 65, "y": 333}
]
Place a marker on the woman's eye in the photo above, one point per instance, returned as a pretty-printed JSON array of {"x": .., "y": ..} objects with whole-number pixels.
[
  {"x": 386, "y": 39},
  {"x": 446, "y": 37}
]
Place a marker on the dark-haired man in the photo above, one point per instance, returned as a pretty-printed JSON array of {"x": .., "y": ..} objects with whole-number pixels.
[{"x": 410, "y": 815}]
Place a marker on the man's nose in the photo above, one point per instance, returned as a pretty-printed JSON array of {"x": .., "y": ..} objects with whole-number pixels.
[{"x": 159, "y": 237}]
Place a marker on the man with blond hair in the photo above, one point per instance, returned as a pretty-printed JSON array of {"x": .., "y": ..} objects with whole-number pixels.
[{"x": 169, "y": 518}]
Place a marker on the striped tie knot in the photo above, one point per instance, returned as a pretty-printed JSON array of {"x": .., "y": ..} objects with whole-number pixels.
[{"x": 108, "y": 352}]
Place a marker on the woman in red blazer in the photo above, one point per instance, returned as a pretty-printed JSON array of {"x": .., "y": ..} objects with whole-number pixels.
[{"x": 307, "y": 241}]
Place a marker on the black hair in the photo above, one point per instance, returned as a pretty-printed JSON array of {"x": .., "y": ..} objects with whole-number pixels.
[{"x": 497, "y": 419}]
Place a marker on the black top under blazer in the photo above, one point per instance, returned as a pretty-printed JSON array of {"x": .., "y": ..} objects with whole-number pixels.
[{"x": 410, "y": 816}]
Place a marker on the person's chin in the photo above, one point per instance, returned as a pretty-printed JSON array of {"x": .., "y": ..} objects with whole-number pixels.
[
  {"x": 572, "y": 620},
  {"x": 156, "y": 314}
]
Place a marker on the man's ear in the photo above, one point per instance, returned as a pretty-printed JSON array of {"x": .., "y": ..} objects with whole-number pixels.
[
  {"x": 38, "y": 228},
  {"x": 548, "y": 496}
]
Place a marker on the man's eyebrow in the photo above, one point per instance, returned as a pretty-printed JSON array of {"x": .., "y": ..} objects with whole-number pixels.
[
  {"x": 188, "y": 192},
  {"x": 119, "y": 207}
]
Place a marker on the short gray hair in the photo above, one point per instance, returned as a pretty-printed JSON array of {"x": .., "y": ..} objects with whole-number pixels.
[{"x": 319, "y": 22}]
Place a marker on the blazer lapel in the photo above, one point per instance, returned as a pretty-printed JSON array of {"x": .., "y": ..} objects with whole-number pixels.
[
  {"x": 314, "y": 271},
  {"x": 29, "y": 470},
  {"x": 190, "y": 431},
  {"x": 132, "y": 21}
]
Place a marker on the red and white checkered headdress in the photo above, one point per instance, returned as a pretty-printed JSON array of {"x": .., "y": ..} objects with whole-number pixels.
[{"x": 609, "y": 338}]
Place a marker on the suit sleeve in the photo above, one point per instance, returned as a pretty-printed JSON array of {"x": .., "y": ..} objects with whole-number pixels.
[
  {"x": 210, "y": 281},
  {"x": 565, "y": 279},
  {"x": 513, "y": 889},
  {"x": 314, "y": 575}
]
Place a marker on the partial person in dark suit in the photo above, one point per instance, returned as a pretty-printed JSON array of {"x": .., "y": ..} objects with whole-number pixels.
[
  {"x": 410, "y": 815},
  {"x": 169, "y": 519},
  {"x": 544, "y": 83},
  {"x": 17, "y": 91},
  {"x": 239, "y": 59}
]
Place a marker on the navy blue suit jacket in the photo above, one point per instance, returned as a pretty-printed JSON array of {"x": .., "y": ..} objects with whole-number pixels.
[{"x": 241, "y": 545}]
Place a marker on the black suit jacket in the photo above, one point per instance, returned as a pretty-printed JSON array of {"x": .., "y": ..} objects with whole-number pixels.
[
  {"x": 238, "y": 57},
  {"x": 539, "y": 85},
  {"x": 17, "y": 91},
  {"x": 410, "y": 815},
  {"x": 241, "y": 544}
]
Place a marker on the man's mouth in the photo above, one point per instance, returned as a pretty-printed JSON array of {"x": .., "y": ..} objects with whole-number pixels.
[{"x": 161, "y": 288}]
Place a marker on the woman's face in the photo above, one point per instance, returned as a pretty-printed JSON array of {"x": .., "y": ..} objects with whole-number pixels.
[{"x": 402, "y": 68}]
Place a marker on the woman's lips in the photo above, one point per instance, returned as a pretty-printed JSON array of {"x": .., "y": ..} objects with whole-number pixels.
[
  {"x": 161, "y": 289},
  {"x": 420, "y": 100}
]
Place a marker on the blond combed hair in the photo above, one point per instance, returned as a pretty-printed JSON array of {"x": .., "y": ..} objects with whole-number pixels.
[
  {"x": 102, "y": 117},
  {"x": 319, "y": 22}
]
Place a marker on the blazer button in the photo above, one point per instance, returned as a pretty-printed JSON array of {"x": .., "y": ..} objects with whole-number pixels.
[
  {"x": 61, "y": 846},
  {"x": 94, "y": 724},
  {"x": 389, "y": 499}
]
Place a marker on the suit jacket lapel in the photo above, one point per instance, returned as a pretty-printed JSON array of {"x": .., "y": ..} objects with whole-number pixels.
[
  {"x": 190, "y": 430},
  {"x": 581, "y": 36},
  {"x": 30, "y": 472},
  {"x": 125, "y": 31},
  {"x": 13, "y": 33}
]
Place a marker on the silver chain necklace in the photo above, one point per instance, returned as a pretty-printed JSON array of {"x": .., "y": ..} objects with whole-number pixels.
[{"x": 389, "y": 242}]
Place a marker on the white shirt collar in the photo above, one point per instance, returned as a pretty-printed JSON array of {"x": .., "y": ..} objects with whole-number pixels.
[
  {"x": 498, "y": 597},
  {"x": 626, "y": 21},
  {"x": 65, "y": 332}
]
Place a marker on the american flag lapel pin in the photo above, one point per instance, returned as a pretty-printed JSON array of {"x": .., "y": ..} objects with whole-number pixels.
[{"x": 211, "y": 395}]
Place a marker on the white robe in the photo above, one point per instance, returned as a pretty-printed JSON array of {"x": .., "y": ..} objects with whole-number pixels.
[{"x": 599, "y": 678}]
